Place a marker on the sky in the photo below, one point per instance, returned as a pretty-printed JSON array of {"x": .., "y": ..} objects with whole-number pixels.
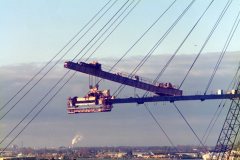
[{"x": 32, "y": 32}]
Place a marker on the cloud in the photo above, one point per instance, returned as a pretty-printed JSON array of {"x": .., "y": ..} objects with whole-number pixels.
[{"x": 127, "y": 124}]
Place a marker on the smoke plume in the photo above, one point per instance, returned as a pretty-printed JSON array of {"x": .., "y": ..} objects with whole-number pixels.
[{"x": 76, "y": 139}]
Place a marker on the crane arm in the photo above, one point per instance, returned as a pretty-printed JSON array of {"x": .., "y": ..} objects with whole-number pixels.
[{"x": 94, "y": 69}]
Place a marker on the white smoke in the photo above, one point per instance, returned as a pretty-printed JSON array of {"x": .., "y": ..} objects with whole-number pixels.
[{"x": 77, "y": 138}]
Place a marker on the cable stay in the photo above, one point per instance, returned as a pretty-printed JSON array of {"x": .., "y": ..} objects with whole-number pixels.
[
  {"x": 138, "y": 40},
  {"x": 44, "y": 75},
  {"x": 102, "y": 101},
  {"x": 220, "y": 154},
  {"x": 207, "y": 39},
  {"x": 227, "y": 43},
  {"x": 95, "y": 42},
  {"x": 200, "y": 141},
  {"x": 58, "y": 90},
  {"x": 221, "y": 106},
  {"x": 179, "y": 47},
  {"x": 229, "y": 131},
  {"x": 156, "y": 45},
  {"x": 160, "y": 127},
  {"x": 102, "y": 28},
  {"x": 68, "y": 43}
]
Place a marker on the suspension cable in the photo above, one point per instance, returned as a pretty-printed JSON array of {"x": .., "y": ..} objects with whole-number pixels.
[
  {"x": 228, "y": 41},
  {"x": 214, "y": 122},
  {"x": 102, "y": 28},
  {"x": 215, "y": 116},
  {"x": 90, "y": 80},
  {"x": 111, "y": 33},
  {"x": 146, "y": 57},
  {"x": 232, "y": 83},
  {"x": 24, "y": 86},
  {"x": 206, "y": 41},
  {"x": 48, "y": 100},
  {"x": 54, "y": 64},
  {"x": 180, "y": 46},
  {"x": 189, "y": 126},
  {"x": 36, "y": 114},
  {"x": 153, "y": 24},
  {"x": 108, "y": 29},
  {"x": 159, "y": 126}
]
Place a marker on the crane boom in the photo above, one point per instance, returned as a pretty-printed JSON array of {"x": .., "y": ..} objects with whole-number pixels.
[{"x": 94, "y": 69}]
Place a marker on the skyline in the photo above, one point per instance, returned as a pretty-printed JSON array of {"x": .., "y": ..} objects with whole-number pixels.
[{"x": 32, "y": 34}]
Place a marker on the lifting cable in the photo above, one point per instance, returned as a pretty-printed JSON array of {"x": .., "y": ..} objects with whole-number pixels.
[
  {"x": 46, "y": 102},
  {"x": 146, "y": 57},
  {"x": 159, "y": 125},
  {"x": 171, "y": 58},
  {"x": 206, "y": 41},
  {"x": 56, "y": 62},
  {"x": 189, "y": 126},
  {"x": 228, "y": 41},
  {"x": 153, "y": 24}
]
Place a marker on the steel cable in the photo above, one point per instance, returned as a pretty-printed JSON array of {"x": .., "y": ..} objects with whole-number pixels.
[
  {"x": 233, "y": 29},
  {"x": 101, "y": 29},
  {"x": 48, "y": 100},
  {"x": 223, "y": 104},
  {"x": 140, "y": 64},
  {"x": 206, "y": 41},
  {"x": 179, "y": 47},
  {"x": 159, "y": 126},
  {"x": 228, "y": 41},
  {"x": 110, "y": 32},
  {"x": 189, "y": 126},
  {"x": 149, "y": 28},
  {"x": 53, "y": 65}
]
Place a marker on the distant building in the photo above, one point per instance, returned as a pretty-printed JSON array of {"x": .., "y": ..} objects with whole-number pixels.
[{"x": 17, "y": 158}]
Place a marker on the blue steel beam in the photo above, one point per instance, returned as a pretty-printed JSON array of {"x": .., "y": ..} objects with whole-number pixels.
[{"x": 173, "y": 98}]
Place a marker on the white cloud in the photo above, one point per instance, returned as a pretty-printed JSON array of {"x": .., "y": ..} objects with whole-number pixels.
[{"x": 127, "y": 124}]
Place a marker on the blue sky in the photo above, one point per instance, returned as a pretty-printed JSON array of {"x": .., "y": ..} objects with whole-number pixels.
[
  {"x": 32, "y": 32},
  {"x": 36, "y": 30}
]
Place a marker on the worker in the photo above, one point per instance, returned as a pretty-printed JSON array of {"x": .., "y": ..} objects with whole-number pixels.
[
  {"x": 137, "y": 77},
  {"x": 69, "y": 102}
]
